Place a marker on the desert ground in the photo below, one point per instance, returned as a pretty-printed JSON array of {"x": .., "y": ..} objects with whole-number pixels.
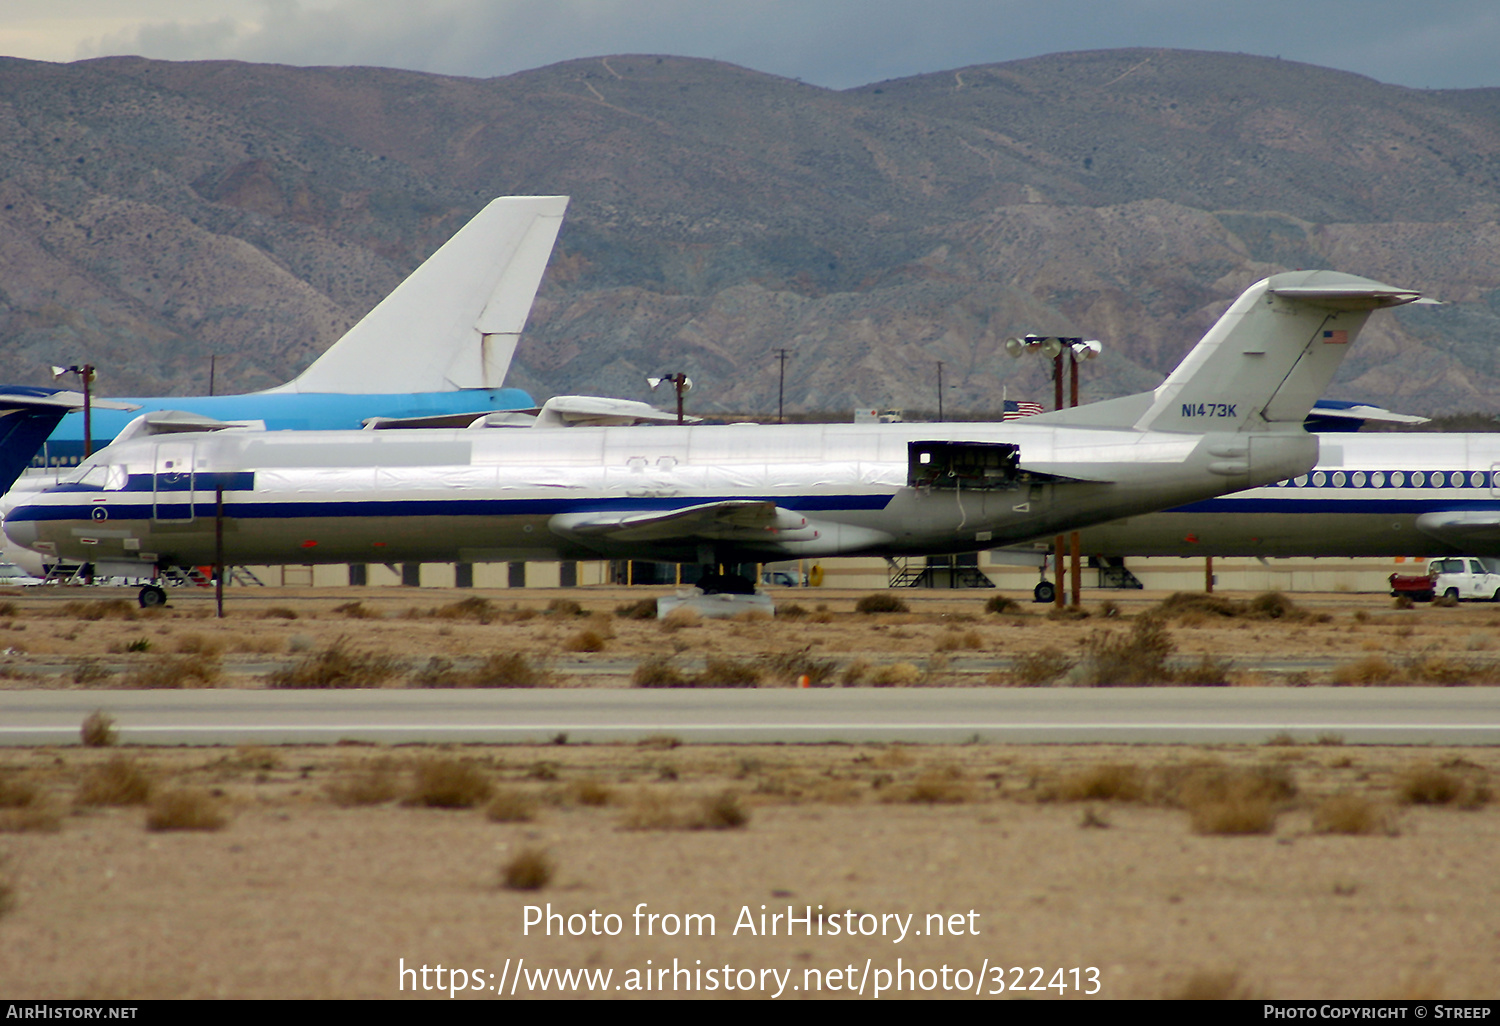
[{"x": 1274, "y": 870}]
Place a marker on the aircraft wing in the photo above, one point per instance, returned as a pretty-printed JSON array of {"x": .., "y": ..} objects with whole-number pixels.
[
  {"x": 743, "y": 520},
  {"x": 1463, "y": 529}
]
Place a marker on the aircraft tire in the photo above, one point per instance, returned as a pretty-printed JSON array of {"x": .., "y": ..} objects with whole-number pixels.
[
  {"x": 1045, "y": 591},
  {"x": 151, "y": 596}
]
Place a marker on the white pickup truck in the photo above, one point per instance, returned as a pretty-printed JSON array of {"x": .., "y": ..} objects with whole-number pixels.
[{"x": 1466, "y": 577}]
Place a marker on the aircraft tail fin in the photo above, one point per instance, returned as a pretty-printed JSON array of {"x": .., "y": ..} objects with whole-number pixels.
[
  {"x": 1264, "y": 362},
  {"x": 27, "y": 416},
  {"x": 455, "y": 321}
]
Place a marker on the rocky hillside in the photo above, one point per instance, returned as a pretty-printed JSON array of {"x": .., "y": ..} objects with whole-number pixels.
[{"x": 153, "y": 214}]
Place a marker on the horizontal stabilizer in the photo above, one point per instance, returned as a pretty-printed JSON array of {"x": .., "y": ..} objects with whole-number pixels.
[
  {"x": 558, "y": 412},
  {"x": 179, "y": 422}
]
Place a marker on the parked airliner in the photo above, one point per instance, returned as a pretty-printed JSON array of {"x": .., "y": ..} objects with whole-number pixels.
[
  {"x": 1228, "y": 418},
  {"x": 441, "y": 342}
]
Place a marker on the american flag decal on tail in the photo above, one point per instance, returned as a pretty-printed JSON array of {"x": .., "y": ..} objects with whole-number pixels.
[{"x": 1336, "y": 338}]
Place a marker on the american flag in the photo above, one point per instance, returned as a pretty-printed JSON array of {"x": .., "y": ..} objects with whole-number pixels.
[
  {"x": 1016, "y": 410},
  {"x": 1336, "y": 338}
]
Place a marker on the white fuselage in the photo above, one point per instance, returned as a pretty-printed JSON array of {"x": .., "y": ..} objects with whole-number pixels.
[{"x": 499, "y": 494}]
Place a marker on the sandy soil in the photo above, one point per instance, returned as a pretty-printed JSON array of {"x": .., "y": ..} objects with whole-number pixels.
[{"x": 1054, "y": 857}]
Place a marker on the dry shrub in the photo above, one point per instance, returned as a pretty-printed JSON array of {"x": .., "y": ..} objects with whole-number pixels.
[
  {"x": 443, "y": 783},
  {"x": 565, "y": 607},
  {"x": 1402, "y": 602},
  {"x": 375, "y": 784},
  {"x": 510, "y": 805},
  {"x": 896, "y": 675},
  {"x": 791, "y": 666},
  {"x": 1349, "y": 814},
  {"x": 821, "y": 616},
  {"x": 1068, "y": 613},
  {"x": 659, "y": 742},
  {"x": 1224, "y": 800},
  {"x": 954, "y": 641},
  {"x": 1187, "y": 786},
  {"x": 591, "y": 791},
  {"x": 88, "y": 670},
  {"x": 509, "y": 670},
  {"x": 790, "y": 611},
  {"x": 729, "y": 673},
  {"x": 658, "y": 671},
  {"x": 1107, "y": 782},
  {"x": 120, "y": 781},
  {"x": 198, "y": 644},
  {"x": 279, "y": 613},
  {"x": 357, "y": 611},
  {"x": 99, "y": 609},
  {"x": 1038, "y": 669},
  {"x": 1207, "y": 672},
  {"x": 98, "y": 730},
  {"x": 1234, "y": 816},
  {"x": 1434, "y": 785},
  {"x": 1003, "y": 604},
  {"x": 530, "y": 870},
  {"x": 722, "y": 811},
  {"x": 650, "y": 810},
  {"x": 1367, "y": 670},
  {"x": 185, "y": 809},
  {"x": 644, "y": 609},
  {"x": 677, "y": 619},
  {"x": 189, "y": 671},
  {"x": 479, "y": 610},
  {"x": 335, "y": 667},
  {"x": 439, "y": 672},
  {"x": 855, "y": 673},
  {"x": 1445, "y": 602},
  {"x": 881, "y": 602},
  {"x": 1198, "y": 607},
  {"x": 585, "y": 641},
  {"x": 1117, "y": 659},
  {"x": 18, "y": 793},
  {"x": 944, "y": 785}
]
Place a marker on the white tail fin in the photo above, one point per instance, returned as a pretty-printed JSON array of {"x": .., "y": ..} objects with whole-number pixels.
[
  {"x": 454, "y": 322},
  {"x": 1263, "y": 363}
]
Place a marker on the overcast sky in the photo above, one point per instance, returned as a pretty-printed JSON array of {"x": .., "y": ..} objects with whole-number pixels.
[{"x": 834, "y": 43}]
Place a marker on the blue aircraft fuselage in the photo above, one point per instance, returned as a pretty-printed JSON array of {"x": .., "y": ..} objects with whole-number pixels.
[{"x": 281, "y": 411}]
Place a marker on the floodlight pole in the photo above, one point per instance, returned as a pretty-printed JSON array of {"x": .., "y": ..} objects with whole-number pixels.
[{"x": 940, "y": 391}]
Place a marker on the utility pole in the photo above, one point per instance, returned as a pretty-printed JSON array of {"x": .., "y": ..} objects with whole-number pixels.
[{"x": 940, "y": 391}]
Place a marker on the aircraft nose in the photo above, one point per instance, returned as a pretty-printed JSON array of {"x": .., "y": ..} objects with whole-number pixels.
[{"x": 22, "y": 532}]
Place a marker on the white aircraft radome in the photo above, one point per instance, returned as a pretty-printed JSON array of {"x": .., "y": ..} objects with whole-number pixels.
[{"x": 1228, "y": 418}]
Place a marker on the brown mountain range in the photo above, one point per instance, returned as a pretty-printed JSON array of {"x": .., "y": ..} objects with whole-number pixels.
[{"x": 154, "y": 213}]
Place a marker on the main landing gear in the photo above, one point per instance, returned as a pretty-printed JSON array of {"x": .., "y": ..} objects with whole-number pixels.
[{"x": 152, "y": 596}]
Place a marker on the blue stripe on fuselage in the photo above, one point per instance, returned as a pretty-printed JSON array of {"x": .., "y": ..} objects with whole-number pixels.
[{"x": 439, "y": 507}]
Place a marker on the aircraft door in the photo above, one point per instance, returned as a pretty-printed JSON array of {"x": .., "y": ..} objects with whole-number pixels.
[{"x": 172, "y": 483}]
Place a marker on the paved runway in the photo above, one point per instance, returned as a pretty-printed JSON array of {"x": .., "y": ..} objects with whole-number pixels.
[{"x": 1445, "y": 716}]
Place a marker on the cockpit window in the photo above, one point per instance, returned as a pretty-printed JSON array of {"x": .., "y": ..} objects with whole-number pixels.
[{"x": 94, "y": 476}]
